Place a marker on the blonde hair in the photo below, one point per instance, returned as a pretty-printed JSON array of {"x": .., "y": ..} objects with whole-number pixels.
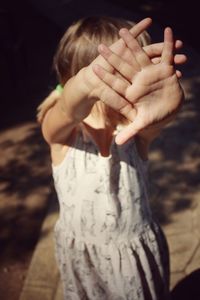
[{"x": 78, "y": 48}]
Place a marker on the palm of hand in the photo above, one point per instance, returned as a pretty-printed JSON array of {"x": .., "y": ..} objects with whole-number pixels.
[
  {"x": 145, "y": 93},
  {"x": 155, "y": 94}
]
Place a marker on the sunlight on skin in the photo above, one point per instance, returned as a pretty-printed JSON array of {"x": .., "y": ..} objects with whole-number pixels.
[{"x": 150, "y": 85}]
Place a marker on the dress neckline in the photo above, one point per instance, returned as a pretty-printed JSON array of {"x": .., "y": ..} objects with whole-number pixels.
[{"x": 87, "y": 135}]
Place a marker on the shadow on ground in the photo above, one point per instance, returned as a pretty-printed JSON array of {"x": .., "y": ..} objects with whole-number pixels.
[
  {"x": 25, "y": 180},
  {"x": 174, "y": 156},
  {"x": 26, "y": 175},
  {"x": 24, "y": 189},
  {"x": 25, "y": 170}
]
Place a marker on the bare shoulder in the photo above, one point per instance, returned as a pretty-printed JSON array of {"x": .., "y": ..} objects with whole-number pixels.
[{"x": 59, "y": 151}]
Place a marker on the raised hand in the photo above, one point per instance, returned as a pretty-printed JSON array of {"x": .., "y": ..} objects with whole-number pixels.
[
  {"x": 145, "y": 93},
  {"x": 153, "y": 50},
  {"x": 94, "y": 87}
]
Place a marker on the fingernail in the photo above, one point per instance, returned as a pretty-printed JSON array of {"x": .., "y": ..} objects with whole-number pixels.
[
  {"x": 104, "y": 50},
  {"x": 123, "y": 31}
]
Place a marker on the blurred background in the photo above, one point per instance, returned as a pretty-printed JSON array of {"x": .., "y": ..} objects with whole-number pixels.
[
  {"x": 29, "y": 34},
  {"x": 30, "y": 30}
]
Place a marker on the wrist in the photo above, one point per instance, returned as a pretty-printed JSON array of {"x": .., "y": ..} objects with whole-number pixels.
[
  {"x": 76, "y": 101},
  {"x": 88, "y": 82}
]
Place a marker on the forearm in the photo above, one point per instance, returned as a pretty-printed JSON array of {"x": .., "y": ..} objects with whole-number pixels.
[
  {"x": 57, "y": 127},
  {"x": 73, "y": 106}
]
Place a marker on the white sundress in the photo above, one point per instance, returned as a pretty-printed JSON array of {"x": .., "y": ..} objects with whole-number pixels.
[{"x": 107, "y": 245}]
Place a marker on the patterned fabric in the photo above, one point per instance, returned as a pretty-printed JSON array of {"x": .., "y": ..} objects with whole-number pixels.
[{"x": 108, "y": 247}]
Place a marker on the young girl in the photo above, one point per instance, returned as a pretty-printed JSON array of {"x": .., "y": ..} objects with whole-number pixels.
[{"x": 99, "y": 127}]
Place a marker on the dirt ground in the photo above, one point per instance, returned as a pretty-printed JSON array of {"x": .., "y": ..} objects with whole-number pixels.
[
  {"x": 25, "y": 177},
  {"x": 25, "y": 181},
  {"x": 24, "y": 189}
]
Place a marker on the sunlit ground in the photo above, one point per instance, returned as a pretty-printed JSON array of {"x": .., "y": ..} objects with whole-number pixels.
[{"x": 25, "y": 179}]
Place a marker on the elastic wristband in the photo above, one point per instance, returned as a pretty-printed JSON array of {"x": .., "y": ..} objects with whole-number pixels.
[{"x": 59, "y": 88}]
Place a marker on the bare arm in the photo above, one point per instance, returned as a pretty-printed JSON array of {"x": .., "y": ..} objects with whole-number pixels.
[
  {"x": 84, "y": 89},
  {"x": 61, "y": 119},
  {"x": 152, "y": 91},
  {"x": 80, "y": 94}
]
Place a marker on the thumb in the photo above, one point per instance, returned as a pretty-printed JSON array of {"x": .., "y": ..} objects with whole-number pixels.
[{"x": 128, "y": 132}]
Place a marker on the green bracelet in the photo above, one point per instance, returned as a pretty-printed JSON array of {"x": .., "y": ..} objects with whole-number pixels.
[{"x": 59, "y": 88}]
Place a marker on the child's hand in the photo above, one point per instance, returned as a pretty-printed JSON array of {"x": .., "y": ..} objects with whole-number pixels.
[
  {"x": 145, "y": 93},
  {"x": 94, "y": 87},
  {"x": 153, "y": 50},
  {"x": 119, "y": 47}
]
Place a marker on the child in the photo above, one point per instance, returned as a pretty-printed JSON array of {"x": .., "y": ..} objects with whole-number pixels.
[{"x": 99, "y": 127}]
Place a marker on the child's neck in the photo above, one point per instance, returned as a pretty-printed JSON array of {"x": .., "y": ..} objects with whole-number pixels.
[
  {"x": 101, "y": 133},
  {"x": 99, "y": 123}
]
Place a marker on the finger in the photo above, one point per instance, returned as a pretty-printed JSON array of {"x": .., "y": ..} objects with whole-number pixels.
[
  {"x": 156, "y": 60},
  {"x": 140, "y": 55},
  {"x": 127, "y": 55},
  {"x": 138, "y": 28},
  {"x": 179, "y": 59},
  {"x": 117, "y": 84},
  {"x": 167, "y": 53},
  {"x": 153, "y": 50},
  {"x": 112, "y": 98},
  {"x": 117, "y": 62},
  {"x": 118, "y": 103},
  {"x": 128, "y": 132},
  {"x": 178, "y": 44},
  {"x": 178, "y": 73}
]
